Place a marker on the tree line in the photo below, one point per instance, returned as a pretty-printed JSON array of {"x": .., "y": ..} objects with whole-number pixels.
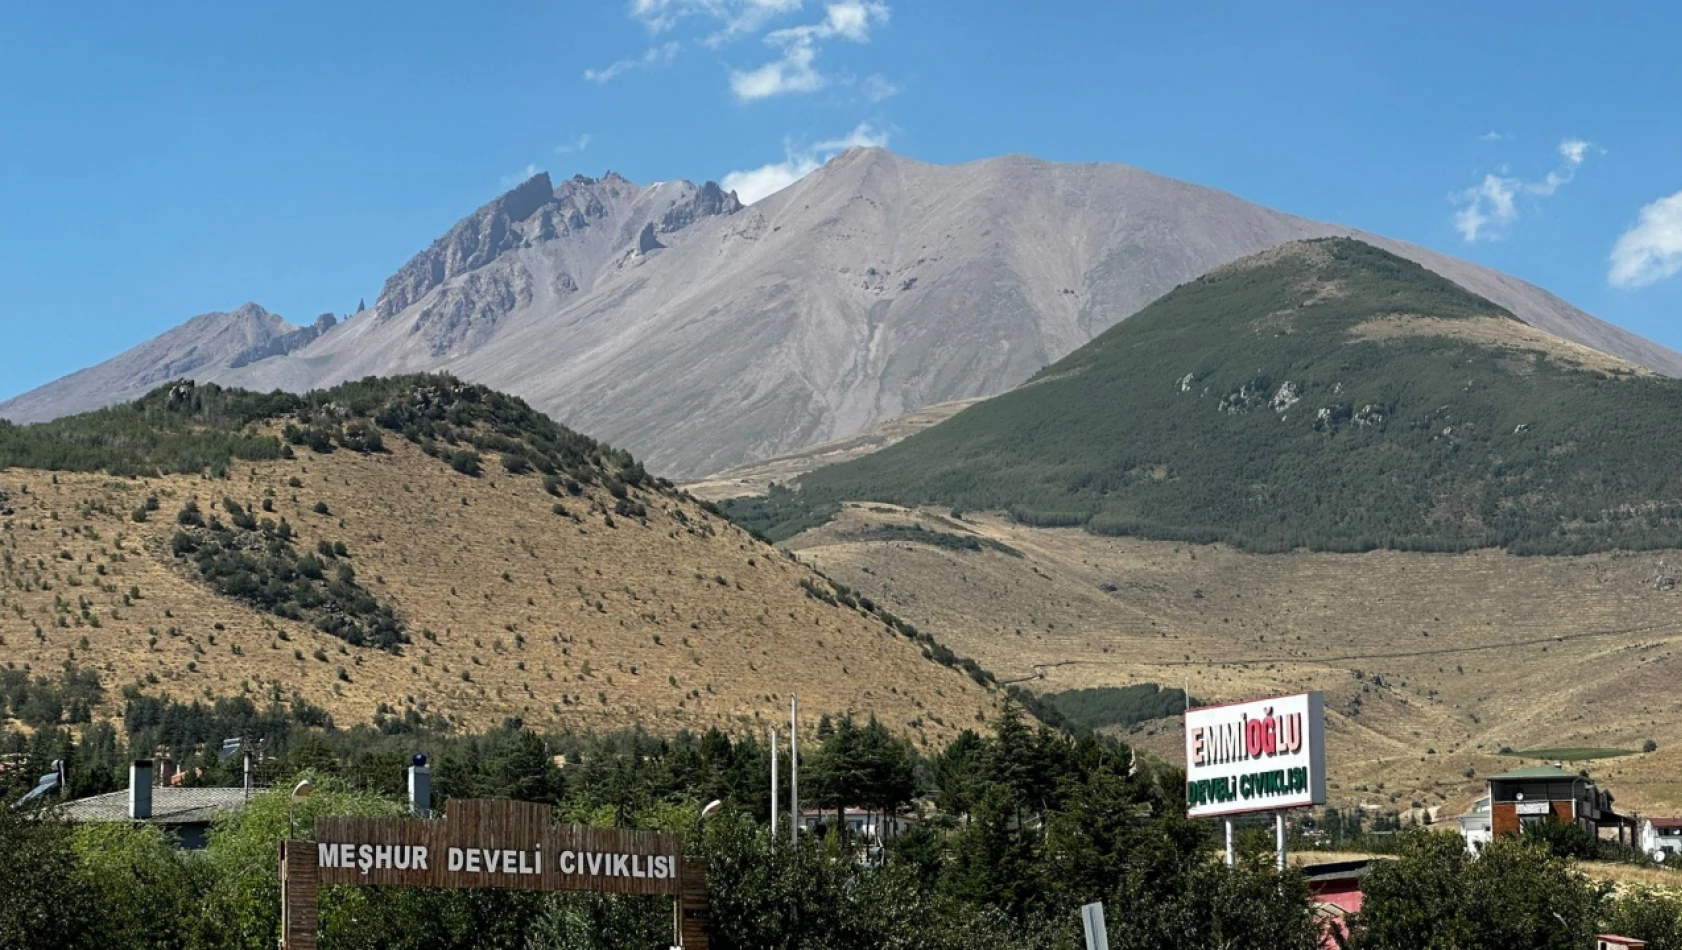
[{"x": 1017, "y": 828}]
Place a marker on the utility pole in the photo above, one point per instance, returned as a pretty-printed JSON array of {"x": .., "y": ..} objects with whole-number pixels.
[
  {"x": 794, "y": 770},
  {"x": 773, "y": 783}
]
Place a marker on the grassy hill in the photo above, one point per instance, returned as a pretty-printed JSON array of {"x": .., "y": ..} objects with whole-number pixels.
[
  {"x": 1323, "y": 395},
  {"x": 419, "y": 546}
]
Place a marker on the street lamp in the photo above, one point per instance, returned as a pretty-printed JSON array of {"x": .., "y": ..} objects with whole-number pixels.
[
  {"x": 707, "y": 811},
  {"x": 300, "y": 792}
]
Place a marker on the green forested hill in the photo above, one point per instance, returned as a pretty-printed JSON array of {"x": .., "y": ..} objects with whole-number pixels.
[{"x": 1325, "y": 395}]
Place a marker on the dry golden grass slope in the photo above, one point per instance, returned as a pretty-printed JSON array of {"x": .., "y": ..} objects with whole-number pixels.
[
  {"x": 682, "y": 621},
  {"x": 1431, "y": 663}
]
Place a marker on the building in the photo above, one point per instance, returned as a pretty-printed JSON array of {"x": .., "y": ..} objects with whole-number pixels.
[
  {"x": 1535, "y": 794},
  {"x": 1661, "y": 837},
  {"x": 1476, "y": 826},
  {"x": 857, "y": 823},
  {"x": 1615, "y": 942},
  {"x": 1334, "y": 894},
  {"x": 186, "y": 813}
]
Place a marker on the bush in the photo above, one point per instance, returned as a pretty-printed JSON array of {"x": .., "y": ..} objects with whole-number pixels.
[
  {"x": 466, "y": 462},
  {"x": 190, "y": 515},
  {"x": 1562, "y": 839}
]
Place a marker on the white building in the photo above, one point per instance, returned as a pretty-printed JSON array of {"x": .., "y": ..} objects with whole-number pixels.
[
  {"x": 1661, "y": 834},
  {"x": 857, "y": 823},
  {"x": 1477, "y": 826}
]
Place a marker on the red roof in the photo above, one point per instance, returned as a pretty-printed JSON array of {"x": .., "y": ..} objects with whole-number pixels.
[{"x": 1665, "y": 823}]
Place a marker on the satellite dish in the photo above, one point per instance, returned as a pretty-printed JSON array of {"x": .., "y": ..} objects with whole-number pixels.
[
  {"x": 229, "y": 748},
  {"x": 711, "y": 809},
  {"x": 1659, "y": 855}
]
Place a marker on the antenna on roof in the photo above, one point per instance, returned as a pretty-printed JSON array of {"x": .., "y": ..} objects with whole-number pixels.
[{"x": 52, "y": 781}]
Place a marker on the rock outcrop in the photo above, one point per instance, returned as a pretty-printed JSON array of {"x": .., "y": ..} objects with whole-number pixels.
[
  {"x": 473, "y": 242},
  {"x": 286, "y": 342}
]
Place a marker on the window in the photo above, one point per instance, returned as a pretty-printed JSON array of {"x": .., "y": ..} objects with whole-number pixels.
[{"x": 1525, "y": 821}]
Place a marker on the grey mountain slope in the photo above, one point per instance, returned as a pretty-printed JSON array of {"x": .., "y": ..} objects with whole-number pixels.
[
  {"x": 875, "y": 286},
  {"x": 206, "y": 343}
]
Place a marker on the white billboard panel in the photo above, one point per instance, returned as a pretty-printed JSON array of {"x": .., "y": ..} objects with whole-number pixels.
[{"x": 1262, "y": 755}]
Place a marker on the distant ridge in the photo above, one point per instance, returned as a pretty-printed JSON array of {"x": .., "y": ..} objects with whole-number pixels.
[
  {"x": 207, "y": 344},
  {"x": 702, "y": 334}
]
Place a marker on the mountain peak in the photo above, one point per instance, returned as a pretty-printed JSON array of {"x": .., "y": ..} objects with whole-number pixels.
[
  {"x": 250, "y": 310},
  {"x": 473, "y": 242}
]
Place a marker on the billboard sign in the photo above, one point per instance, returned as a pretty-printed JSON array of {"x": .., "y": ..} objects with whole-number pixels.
[{"x": 1262, "y": 755}]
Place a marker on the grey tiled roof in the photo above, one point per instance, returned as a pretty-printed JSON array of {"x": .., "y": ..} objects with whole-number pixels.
[{"x": 170, "y": 806}]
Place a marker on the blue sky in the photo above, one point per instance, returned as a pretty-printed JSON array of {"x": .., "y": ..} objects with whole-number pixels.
[{"x": 166, "y": 159}]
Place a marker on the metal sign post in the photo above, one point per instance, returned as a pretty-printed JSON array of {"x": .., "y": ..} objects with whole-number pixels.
[
  {"x": 794, "y": 770},
  {"x": 1092, "y": 919},
  {"x": 1279, "y": 840}
]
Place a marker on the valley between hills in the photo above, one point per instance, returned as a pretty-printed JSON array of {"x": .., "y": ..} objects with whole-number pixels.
[{"x": 1432, "y": 664}]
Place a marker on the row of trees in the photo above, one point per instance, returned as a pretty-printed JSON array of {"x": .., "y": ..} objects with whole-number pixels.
[{"x": 1028, "y": 825}]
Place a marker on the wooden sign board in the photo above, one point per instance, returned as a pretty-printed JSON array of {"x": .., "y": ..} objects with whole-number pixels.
[
  {"x": 490, "y": 844},
  {"x": 497, "y": 844}
]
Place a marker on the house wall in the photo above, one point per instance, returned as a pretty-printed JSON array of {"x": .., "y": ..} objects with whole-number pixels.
[{"x": 1504, "y": 816}]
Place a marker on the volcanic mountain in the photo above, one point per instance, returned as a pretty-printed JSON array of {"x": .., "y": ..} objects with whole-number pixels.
[{"x": 701, "y": 334}]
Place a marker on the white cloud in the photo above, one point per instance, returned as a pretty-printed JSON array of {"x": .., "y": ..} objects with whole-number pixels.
[
  {"x": 1493, "y": 136},
  {"x": 735, "y": 17},
  {"x": 578, "y": 144},
  {"x": 1651, "y": 250},
  {"x": 661, "y": 55},
  {"x": 753, "y": 184},
  {"x": 793, "y": 71},
  {"x": 1573, "y": 150},
  {"x": 1488, "y": 209},
  {"x": 876, "y": 87},
  {"x": 509, "y": 181}
]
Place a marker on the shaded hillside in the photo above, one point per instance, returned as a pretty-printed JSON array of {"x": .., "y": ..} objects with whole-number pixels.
[
  {"x": 424, "y": 546},
  {"x": 1326, "y": 395},
  {"x": 701, "y": 334}
]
